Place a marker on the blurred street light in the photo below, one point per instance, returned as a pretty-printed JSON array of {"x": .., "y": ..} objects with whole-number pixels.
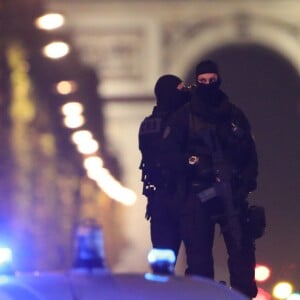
[
  {"x": 74, "y": 121},
  {"x": 262, "y": 273},
  {"x": 295, "y": 296},
  {"x": 50, "y": 21},
  {"x": 93, "y": 162},
  {"x": 89, "y": 147},
  {"x": 56, "y": 50},
  {"x": 66, "y": 87},
  {"x": 81, "y": 136},
  {"x": 282, "y": 290},
  {"x": 72, "y": 109}
]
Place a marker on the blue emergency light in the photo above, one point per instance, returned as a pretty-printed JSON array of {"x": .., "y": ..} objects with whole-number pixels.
[
  {"x": 6, "y": 258},
  {"x": 162, "y": 261},
  {"x": 89, "y": 246}
]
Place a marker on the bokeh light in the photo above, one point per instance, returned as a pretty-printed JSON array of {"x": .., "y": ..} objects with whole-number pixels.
[
  {"x": 72, "y": 109},
  {"x": 5, "y": 255},
  {"x": 56, "y": 50},
  {"x": 262, "y": 295},
  {"x": 295, "y": 296},
  {"x": 66, "y": 87},
  {"x": 262, "y": 273},
  {"x": 282, "y": 290},
  {"x": 93, "y": 162},
  {"x": 90, "y": 146},
  {"x": 75, "y": 121},
  {"x": 50, "y": 21},
  {"x": 81, "y": 136}
]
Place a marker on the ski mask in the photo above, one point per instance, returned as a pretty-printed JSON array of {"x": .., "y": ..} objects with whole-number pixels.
[
  {"x": 210, "y": 93},
  {"x": 207, "y": 66},
  {"x": 169, "y": 98}
]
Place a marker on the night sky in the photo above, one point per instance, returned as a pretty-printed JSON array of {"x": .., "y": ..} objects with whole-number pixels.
[{"x": 266, "y": 87}]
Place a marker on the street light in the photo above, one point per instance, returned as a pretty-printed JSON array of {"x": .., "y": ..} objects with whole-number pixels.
[
  {"x": 50, "y": 21},
  {"x": 262, "y": 273},
  {"x": 66, "y": 87},
  {"x": 72, "y": 108},
  {"x": 282, "y": 290},
  {"x": 56, "y": 50}
]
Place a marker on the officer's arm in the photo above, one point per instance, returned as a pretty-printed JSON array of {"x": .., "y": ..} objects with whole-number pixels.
[{"x": 249, "y": 169}]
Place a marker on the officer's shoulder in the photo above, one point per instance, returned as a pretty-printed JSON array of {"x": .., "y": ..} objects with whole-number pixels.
[
  {"x": 182, "y": 114},
  {"x": 238, "y": 116},
  {"x": 183, "y": 110},
  {"x": 237, "y": 111},
  {"x": 144, "y": 121},
  {"x": 150, "y": 125}
]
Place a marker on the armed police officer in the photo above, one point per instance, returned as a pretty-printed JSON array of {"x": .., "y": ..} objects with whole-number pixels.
[
  {"x": 158, "y": 164},
  {"x": 220, "y": 163}
]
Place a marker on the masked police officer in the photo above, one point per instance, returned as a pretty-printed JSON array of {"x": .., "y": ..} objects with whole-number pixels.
[
  {"x": 158, "y": 164},
  {"x": 220, "y": 164}
]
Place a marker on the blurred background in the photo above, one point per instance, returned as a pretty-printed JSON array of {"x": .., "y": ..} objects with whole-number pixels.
[{"x": 76, "y": 80}]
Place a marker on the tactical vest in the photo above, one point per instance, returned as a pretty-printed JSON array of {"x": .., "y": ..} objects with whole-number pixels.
[
  {"x": 200, "y": 146},
  {"x": 151, "y": 144},
  {"x": 233, "y": 141},
  {"x": 150, "y": 138}
]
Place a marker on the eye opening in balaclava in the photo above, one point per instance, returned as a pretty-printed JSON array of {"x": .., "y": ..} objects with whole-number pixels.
[
  {"x": 208, "y": 93},
  {"x": 207, "y": 66}
]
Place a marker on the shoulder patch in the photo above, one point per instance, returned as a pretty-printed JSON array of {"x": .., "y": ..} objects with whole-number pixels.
[{"x": 150, "y": 125}]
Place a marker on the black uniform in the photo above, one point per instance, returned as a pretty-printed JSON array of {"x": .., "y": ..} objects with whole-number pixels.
[
  {"x": 209, "y": 127},
  {"x": 158, "y": 165}
]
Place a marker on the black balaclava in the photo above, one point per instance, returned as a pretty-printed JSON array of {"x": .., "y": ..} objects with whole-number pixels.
[
  {"x": 168, "y": 97},
  {"x": 207, "y": 66},
  {"x": 209, "y": 93}
]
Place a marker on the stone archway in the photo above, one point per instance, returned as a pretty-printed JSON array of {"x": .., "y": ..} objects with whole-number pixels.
[{"x": 197, "y": 40}]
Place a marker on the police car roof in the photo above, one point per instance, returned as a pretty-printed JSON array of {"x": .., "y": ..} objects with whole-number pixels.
[{"x": 86, "y": 286}]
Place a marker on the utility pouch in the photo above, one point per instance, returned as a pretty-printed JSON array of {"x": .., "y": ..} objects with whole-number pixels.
[{"x": 256, "y": 221}]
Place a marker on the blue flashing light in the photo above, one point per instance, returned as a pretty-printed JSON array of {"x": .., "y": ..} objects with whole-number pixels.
[
  {"x": 155, "y": 277},
  {"x": 89, "y": 246},
  {"x": 6, "y": 258},
  {"x": 5, "y": 255},
  {"x": 162, "y": 261},
  {"x": 161, "y": 254}
]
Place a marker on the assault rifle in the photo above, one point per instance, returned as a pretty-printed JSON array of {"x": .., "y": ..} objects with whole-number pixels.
[{"x": 222, "y": 187}]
